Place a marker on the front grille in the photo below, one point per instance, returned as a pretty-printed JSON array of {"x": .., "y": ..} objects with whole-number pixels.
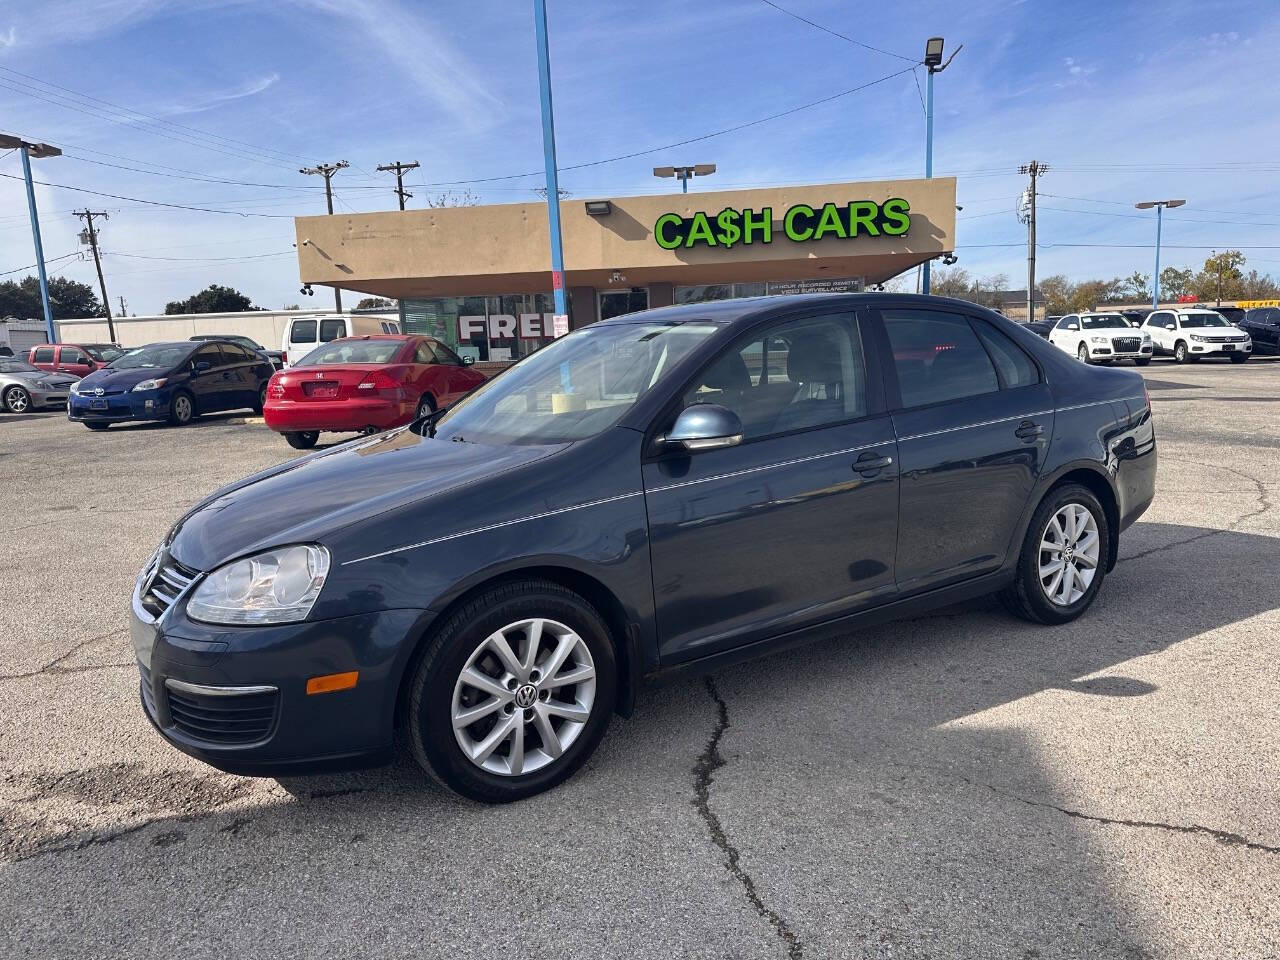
[
  {"x": 232, "y": 720},
  {"x": 169, "y": 580},
  {"x": 1126, "y": 344}
]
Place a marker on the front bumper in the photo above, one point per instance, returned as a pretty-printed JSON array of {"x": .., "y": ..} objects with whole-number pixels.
[
  {"x": 1224, "y": 349},
  {"x": 118, "y": 407},
  {"x": 337, "y": 416},
  {"x": 1106, "y": 351},
  {"x": 235, "y": 697},
  {"x": 43, "y": 399}
]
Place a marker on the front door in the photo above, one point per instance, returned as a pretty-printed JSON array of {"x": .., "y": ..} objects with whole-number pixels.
[
  {"x": 797, "y": 524},
  {"x": 615, "y": 303},
  {"x": 973, "y": 420}
]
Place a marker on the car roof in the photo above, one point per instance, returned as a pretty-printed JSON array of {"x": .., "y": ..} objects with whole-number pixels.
[{"x": 745, "y": 308}]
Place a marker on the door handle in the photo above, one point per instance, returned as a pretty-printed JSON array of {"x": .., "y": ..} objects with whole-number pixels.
[
  {"x": 870, "y": 462},
  {"x": 1027, "y": 430}
]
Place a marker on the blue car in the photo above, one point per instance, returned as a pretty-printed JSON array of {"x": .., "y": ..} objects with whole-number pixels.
[{"x": 172, "y": 381}]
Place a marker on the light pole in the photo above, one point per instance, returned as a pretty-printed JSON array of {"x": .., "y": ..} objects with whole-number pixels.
[
  {"x": 933, "y": 63},
  {"x": 561, "y": 321},
  {"x": 685, "y": 173},
  {"x": 39, "y": 151},
  {"x": 1159, "y": 205}
]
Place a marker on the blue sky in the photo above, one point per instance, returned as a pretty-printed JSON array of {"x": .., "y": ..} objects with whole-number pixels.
[{"x": 1124, "y": 101}]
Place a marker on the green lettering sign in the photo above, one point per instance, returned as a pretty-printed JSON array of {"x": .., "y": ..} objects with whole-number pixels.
[{"x": 800, "y": 224}]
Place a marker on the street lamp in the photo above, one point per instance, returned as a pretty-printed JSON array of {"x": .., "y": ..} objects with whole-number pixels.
[
  {"x": 933, "y": 64},
  {"x": 685, "y": 173},
  {"x": 40, "y": 151},
  {"x": 1159, "y": 205}
]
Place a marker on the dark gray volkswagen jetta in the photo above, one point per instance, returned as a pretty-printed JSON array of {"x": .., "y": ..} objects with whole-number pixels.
[{"x": 664, "y": 491}]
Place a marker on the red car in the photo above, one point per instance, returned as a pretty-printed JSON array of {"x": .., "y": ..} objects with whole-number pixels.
[
  {"x": 364, "y": 384},
  {"x": 78, "y": 359}
]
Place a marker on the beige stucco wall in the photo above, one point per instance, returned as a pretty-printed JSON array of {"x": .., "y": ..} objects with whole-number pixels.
[{"x": 504, "y": 248}]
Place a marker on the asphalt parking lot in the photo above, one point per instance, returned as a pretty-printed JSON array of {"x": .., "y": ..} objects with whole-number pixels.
[{"x": 959, "y": 785}]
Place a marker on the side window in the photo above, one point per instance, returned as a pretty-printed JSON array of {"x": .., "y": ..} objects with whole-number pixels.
[
  {"x": 800, "y": 374},
  {"x": 1014, "y": 366},
  {"x": 303, "y": 331},
  {"x": 234, "y": 353},
  {"x": 1062, "y": 324},
  {"x": 332, "y": 330},
  {"x": 43, "y": 355},
  {"x": 210, "y": 355},
  {"x": 73, "y": 355},
  {"x": 423, "y": 353},
  {"x": 444, "y": 354},
  {"x": 938, "y": 357}
]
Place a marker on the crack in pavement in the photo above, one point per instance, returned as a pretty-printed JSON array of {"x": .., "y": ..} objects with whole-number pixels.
[
  {"x": 52, "y": 665},
  {"x": 1264, "y": 505},
  {"x": 708, "y": 762}
]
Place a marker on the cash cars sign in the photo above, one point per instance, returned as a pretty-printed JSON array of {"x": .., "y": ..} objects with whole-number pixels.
[{"x": 800, "y": 224}]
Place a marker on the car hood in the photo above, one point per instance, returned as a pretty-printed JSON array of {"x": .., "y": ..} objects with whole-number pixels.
[
  {"x": 306, "y": 499},
  {"x": 34, "y": 376},
  {"x": 111, "y": 379},
  {"x": 1113, "y": 333}
]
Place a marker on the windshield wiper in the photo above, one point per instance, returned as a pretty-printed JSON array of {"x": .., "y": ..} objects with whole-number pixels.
[{"x": 429, "y": 420}]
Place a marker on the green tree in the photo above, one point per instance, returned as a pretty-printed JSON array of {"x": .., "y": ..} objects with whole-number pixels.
[
  {"x": 1175, "y": 283},
  {"x": 212, "y": 299},
  {"x": 1221, "y": 278},
  {"x": 68, "y": 300},
  {"x": 374, "y": 303},
  {"x": 1259, "y": 286},
  {"x": 1057, "y": 291},
  {"x": 1138, "y": 285},
  {"x": 954, "y": 282}
]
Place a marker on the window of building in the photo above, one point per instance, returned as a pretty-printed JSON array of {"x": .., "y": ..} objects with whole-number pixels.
[
  {"x": 484, "y": 328},
  {"x": 617, "y": 303},
  {"x": 938, "y": 357}
]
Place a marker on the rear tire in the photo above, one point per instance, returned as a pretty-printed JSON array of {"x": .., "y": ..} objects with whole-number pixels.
[
  {"x": 426, "y": 407},
  {"x": 515, "y": 701},
  {"x": 304, "y": 440},
  {"x": 1038, "y": 592}
]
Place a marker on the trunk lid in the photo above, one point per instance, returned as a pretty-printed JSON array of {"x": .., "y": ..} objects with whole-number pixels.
[{"x": 327, "y": 382}]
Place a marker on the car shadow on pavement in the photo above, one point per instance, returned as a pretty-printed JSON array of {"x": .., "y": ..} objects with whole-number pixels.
[{"x": 895, "y": 790}]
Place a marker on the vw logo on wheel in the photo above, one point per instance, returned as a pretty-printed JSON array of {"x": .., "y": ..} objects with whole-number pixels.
[
  {"x": 526, "y": 695},
  {"x": 98, "y": 391}
]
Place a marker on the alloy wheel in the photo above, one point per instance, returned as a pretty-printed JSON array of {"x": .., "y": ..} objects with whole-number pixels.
[
  {"x": 16, "y": 400},
  {"x": 523, "y": 697},
  {"x": 182, "y": 408},
  {"x": 1083, "y": 353},
  {"x": 1069, "y": 551}
]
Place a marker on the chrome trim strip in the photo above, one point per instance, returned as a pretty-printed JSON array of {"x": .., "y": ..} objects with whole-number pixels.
[
  {"x": 970, "y": 426},
  {"x": 494, "y": 526},
  {"x": 207, "y": 690},
  {"x": 767, "y": 466}
]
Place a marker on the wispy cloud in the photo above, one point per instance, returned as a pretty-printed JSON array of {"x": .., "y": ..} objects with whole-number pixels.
[
  {"x": 10, "y": 38},
  {"x": 249, "y": 88}
]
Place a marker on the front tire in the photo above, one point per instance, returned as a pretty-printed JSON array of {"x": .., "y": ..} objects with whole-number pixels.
[
  {"x": 304, "y": 440},
  {"x": 261, "y": 401},
  {"x": 182, "y": 409},
  {"x": 1180, "y": 352},
  {"x": 1239, "y": 357},
  {"x": 17, "y": 400},
  {"x": 1082, "y": 354},
  {"x": 513, "y": 692},
  {"x": 1141, "y": 361},
  {"x": 1064, "y": 558}
]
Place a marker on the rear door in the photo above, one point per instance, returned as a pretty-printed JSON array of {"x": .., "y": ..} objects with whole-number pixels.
[
  {"x": 213, "y": 388},
  {"x": 795, "y": 525},
  {"x": 334, "y": 328},
  {"x": 973, "y": 417},
  {"x": 241, "y": 373}
]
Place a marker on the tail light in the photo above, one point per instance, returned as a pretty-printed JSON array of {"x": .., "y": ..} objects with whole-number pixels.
[
  {"x": 284, "y": 356},
  {"x": 275, "y": 389},
  {"x": 379, "y": 382}
]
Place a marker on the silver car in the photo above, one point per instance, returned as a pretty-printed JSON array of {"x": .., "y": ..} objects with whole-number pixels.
[{"x": 24, "y": 387}]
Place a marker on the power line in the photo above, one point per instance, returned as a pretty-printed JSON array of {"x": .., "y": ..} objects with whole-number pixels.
[
  {"x": 836, "y": 33},
  {"x": 252, "y": 256},
  {"x": 47, "y": 263},
  {"x": 284, "y": 156},
  {"x": 153, "y": 203}
]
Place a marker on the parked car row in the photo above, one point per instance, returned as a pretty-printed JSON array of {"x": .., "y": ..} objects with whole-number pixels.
[{"x": 1185, "y": 333}]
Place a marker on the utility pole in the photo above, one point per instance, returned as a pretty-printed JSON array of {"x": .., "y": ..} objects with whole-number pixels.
[
  {"x": 122, "y": 310},
  {"x": 90, "y": 236},
  {"x": 327, "y": 170},
  {"x": 1033, "y": 169},
  {"x": 400, "y": 170},
  {"x": 39, "y": 151}
]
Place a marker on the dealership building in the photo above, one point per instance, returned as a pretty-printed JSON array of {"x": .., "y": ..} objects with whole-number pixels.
[{"x": 479, "y": 277}]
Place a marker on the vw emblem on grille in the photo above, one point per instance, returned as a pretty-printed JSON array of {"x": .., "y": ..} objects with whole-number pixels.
[
  {"x": 98, "y": 391},
  {"x": 526, "y": 695}
]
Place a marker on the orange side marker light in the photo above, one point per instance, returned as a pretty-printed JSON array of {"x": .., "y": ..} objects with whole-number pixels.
[{"x": 332, "y": 681}]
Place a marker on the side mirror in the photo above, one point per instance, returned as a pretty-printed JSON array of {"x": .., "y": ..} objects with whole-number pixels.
[
  {"x": 704, "y": 426},
  {"x": 468, "y": 361},
  {"x": 202, "y": 366},
  {"x": 1073, "y": 326}
]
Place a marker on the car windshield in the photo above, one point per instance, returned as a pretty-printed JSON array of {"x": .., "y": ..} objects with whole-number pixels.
[
  {"x": 1206, "y": 319},
  {"x": 17, "y": 366},
  {"x": 160, "y": 357},
  {"x": 104, "y": 353},
  {"x": 352, "y": 351},
  {"x": 1103, "y": 321},
  {"x": 576, "y": 386}
]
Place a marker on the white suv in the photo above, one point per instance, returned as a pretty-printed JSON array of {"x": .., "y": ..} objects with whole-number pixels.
[
  {"x": 1101, "y": 338},
  {"x": 1190, "y": 334}
]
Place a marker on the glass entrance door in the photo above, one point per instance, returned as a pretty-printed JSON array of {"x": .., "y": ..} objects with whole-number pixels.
[{"x": 614, "y": 303}]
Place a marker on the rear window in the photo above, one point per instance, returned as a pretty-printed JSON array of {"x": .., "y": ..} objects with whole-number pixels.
[
  {"x": 303, "y": 331},
  {"x": 353, "y": 351},
  {"x": 332, "y": 330}
]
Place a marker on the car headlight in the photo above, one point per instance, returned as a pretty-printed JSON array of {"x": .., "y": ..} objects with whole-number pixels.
[
  {"x": 277, "y": 586},
  {"x": 153, "y": 384},
  {"x": 1146, "y": 338},
  {"x": 75, "y": 387},
  {"x": 1197, "y": 338},
  {"x": 43, "y": 385},
  {"x": 1099, "y": 339}
]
